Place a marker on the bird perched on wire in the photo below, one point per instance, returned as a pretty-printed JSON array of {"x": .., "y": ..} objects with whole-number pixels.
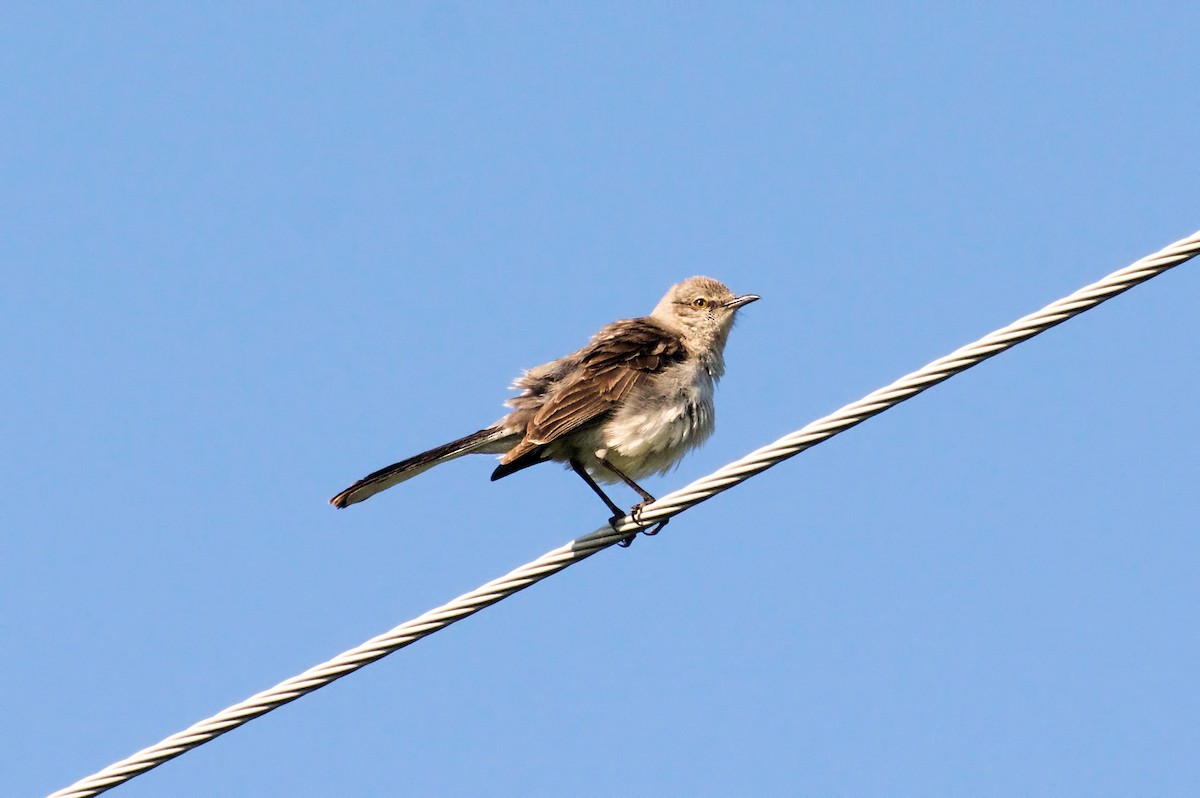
[{"x": 629, "y": 404}]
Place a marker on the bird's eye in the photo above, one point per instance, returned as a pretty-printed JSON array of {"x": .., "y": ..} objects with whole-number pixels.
[{"x": 700, "y": 302}]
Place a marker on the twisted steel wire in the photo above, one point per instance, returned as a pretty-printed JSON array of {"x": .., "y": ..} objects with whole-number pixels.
[{"x": 664, "y": 508}]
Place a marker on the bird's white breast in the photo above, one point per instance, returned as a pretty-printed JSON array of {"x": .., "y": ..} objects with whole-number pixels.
[{"x": 651, "y": 431}]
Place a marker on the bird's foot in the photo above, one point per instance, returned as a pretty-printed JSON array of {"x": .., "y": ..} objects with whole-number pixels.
[
  {"x": 614, "y": 522},
  {"x": 635, "y": 515}
]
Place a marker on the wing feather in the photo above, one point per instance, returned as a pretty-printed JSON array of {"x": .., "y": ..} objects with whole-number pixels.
[{"x": 617, "y": 360}]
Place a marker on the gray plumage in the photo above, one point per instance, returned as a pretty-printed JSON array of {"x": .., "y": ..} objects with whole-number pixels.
[{"x": 629, "y": 404}]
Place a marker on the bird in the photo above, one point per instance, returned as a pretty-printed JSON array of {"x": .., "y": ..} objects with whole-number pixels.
[{"x": 629, "y": 404}]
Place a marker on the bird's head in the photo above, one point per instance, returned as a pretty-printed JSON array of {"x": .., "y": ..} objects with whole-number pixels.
[{"x": 702, "y": 310}]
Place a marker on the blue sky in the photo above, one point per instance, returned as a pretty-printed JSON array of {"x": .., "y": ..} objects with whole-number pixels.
[{"x": 254, "y": 252}]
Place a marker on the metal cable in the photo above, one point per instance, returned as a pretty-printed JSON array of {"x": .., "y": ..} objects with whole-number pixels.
[{"x": 668, "y": 506}]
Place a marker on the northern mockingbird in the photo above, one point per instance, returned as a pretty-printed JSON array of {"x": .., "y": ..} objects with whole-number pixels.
[{"x": 629, "y": 404}]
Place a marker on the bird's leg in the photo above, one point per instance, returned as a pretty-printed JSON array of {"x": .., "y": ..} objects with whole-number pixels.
[
  {"x": 618, "y": 513},
  {"x": 578, "y": 468},
  {"x": 641, "y": 491},
  {"x": 646, "y": 498}
]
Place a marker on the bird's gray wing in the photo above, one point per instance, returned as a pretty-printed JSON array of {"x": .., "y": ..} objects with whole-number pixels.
[{"x": 620, "y": 357}]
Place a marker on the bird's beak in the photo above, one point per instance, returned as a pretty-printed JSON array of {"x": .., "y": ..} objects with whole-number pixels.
[{"x": 738, "y": 301}]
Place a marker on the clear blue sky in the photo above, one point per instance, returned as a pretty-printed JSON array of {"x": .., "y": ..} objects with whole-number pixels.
[{"x": 254, "y": 252}]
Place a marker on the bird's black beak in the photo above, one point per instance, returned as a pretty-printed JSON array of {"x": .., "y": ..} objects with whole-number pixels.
[{"x": 738, "y": 301}]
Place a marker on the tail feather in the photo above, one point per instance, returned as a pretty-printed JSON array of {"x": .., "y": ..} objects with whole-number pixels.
[{"x": 396, "y": 473}]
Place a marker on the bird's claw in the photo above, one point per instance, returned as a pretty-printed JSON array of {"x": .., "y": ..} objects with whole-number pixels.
[
  {"x": 635, "y": 515},
  {"x": 614, "y": 522}
]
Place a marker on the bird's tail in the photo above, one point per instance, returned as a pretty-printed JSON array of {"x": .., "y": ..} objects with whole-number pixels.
[{"x": 491, "y": 439}]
